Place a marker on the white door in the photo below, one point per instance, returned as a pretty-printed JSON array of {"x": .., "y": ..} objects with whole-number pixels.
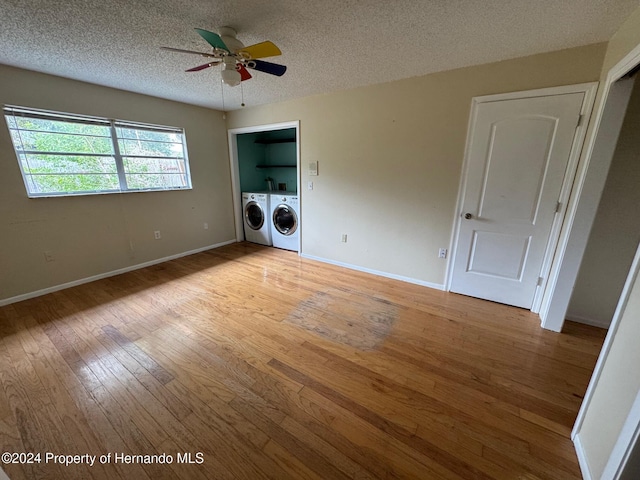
[{"x": 517, "y": 157}]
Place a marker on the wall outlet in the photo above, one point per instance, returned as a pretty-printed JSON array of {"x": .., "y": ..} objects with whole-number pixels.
[
  {"x": 442, "y": 253},
  {"x": 156, "y": 234},
  {"x": 48, "y": 256},
  {"x": 205, "y": 225},
  {"x": 344, "y": 238}
]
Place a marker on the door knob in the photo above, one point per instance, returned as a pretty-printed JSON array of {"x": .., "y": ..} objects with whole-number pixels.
[{"x": 468, "y": 216}]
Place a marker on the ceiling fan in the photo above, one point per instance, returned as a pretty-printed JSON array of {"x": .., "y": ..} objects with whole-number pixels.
[{"x": 234, "y": 56}]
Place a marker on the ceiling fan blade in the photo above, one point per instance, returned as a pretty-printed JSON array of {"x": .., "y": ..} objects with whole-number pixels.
[
  {"x": 244, "y": 73},
  {"x": 202, "y": 67},
  {"x": 179, "y": 50},
  {"x": 267, "y": 67},
  {"x": 261, "y": 50},
  {"x": 212, "y": 39}
]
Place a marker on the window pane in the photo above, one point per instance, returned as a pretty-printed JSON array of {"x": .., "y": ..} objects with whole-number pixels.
[
  {"x": 145, "y": 181},
  {"x": 150, "y": 149},
  {"x": 61, "y": 126},
  {"x": 33, "y": 163},
  {"x": 142, "y": 134},
  {"x": 60, "y": 142},
  {"x": 152, "y": 159},
  {"x": 153, "y": 165},
  {"x": 44, "y": 183}
]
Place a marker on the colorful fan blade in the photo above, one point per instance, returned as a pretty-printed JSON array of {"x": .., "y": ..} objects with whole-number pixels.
[
  {"x": 212, "y": 39},
  {"x": 187, "y": 51},
  {"x": 244, "y": 73},
  {"x": 268, "y": 67},
  {"x": 202, "y": 67},
  {"x": 261, "y": 50}
]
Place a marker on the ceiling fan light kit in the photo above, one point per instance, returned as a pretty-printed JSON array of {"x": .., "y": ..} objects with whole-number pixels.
[
  {"x": 235, "y": 57},
  {"x": 230, "y": 76}
]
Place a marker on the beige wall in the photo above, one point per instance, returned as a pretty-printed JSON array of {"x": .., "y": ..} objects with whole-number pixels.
[
  {"x": 626, "y": 38},
  {"x": 616, "y": 229},
  {"x": 619, "y": 380},
  {"x": 390, "y": 156},
  {"x": 91, "y": 235}
]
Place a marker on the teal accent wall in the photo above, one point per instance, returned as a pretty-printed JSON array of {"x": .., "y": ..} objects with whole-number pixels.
[
  {"x": 282, "y": 154},
  {"x": 252, "y": 154}
]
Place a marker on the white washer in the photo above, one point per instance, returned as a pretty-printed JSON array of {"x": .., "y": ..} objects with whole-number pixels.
[
  {"x": 257, "y": 217},
  {"x": 285, "y": 220}
]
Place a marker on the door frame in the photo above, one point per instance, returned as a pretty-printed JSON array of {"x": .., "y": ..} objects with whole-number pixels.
[
  {"x": 589, "y": 90},
  {"x": 602, "y": 141},
  {"x": 600, "y": 145},
  {"x": 236, "y": 192}
]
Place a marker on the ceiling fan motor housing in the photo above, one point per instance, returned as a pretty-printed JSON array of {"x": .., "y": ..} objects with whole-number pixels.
[{"x": 228, "y": 36}]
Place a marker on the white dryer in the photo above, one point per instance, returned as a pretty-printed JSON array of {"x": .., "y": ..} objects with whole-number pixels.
[
  {"x": 285, "y": 220},
  {"x": 257, "y": 218}
]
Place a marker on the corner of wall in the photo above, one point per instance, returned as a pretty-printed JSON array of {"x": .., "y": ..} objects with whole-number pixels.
[{"x": 582, "y": 458}]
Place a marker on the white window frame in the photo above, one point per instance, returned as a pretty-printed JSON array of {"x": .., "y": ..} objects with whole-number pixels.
[{"x": 118, "y": 157}]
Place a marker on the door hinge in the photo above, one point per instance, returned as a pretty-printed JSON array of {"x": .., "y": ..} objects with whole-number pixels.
[
  {"x": 580, "y": 120},
  {"x": 540, "y": 279},
  {"x": 558, "y": 207}
]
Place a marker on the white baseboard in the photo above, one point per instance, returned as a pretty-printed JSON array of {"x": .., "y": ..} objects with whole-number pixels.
[
  {"x": 93, "y": 278},
  {"x": 582, "y": 458},
  {"x": 415, "y": 281},
  {"x": 587, "y": 321}
]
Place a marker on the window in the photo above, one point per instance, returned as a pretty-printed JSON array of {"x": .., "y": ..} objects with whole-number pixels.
[{"x": 64, "y": 154}]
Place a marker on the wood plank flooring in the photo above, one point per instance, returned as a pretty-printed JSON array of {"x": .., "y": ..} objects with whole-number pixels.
[{"x": 248, "y": 362}]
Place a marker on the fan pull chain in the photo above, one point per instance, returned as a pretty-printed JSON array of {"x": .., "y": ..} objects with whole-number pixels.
[
  {"x": 224, "y": 113},
  {"x": 242, "y": 95}
]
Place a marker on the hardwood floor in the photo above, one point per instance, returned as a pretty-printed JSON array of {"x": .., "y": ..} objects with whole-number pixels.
[{"x": 261, "y": 364}]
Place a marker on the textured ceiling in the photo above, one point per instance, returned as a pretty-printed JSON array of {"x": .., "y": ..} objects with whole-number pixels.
[{"x": 327, "y": 45}]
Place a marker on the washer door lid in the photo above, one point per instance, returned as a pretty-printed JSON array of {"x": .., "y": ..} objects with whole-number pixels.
[
  {"x": 285, "y": 220},
  {"x": 254, "y": 216}
]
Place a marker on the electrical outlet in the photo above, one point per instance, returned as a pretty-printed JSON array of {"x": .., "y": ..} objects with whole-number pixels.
[
  {"x": 206, "y": 226},
  {"x": 442, "y": 253},
  {"x": 156, "y": 234},
  {"x": 344, "y": 238},
  {"x": 48, "y": 256}
]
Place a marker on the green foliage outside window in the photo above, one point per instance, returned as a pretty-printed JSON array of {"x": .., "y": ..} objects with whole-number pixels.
[{"x": 61, "y": 155}]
